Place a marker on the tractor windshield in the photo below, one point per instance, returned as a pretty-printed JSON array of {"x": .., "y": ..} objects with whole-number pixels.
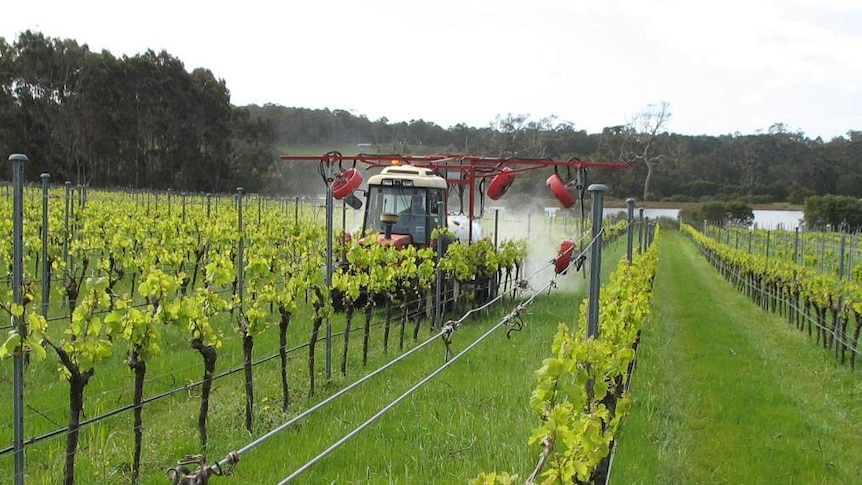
[{"x": 410, "y": 204}]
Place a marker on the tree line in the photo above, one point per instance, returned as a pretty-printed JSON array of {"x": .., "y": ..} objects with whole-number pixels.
[
  {"x": 142, "y": 121},
  {"x": 774, "y": 166},
  {"x": 146, "y": 122}
]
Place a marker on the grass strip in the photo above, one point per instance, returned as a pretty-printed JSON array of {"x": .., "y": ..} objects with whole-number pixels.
[
  {"x": 725, "y": 393},
  {"x": 474, "y": 417}
]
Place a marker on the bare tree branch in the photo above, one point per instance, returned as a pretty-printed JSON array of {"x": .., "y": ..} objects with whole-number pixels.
[{"x": 641, "y": 144}]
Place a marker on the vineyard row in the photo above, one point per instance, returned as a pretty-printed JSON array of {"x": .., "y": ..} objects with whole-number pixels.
[
  {"x": 828, "y": 305},
  {"x": 833, "y": 253},
  {"x": 133, "y": 273},
  {"x": 582, "y": 396}
]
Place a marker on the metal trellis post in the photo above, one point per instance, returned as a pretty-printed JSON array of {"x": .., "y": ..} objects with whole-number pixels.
[
  {"x": 842, "y": 250},
  {"x": 66, "y": 236},
  {"x": 641, "y": 229},
  {"x": 46, "y": 267},
  {"x": 496, "y": 228},
  {"x": 241, "y": 249},
  {"x": 648, "y": 235},
  {"x": 329, "y": 230},
  {"x": 598, "y": 191},
  {"x": 438, "y": 275},
  {"x": 630, "y": 235},
  {"x": 768, "y": 238},
  {"x": 18, "y": 161}
]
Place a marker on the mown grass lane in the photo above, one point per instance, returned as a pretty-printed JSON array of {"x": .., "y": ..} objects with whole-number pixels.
[{"x": 725, "y": 393}]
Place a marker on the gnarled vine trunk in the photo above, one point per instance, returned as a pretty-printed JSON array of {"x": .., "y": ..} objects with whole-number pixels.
[
  {"x": 209, "y": 354},
  {"x": 348, "y": 322},
  {"x": 140, "y": 369},
  {"x": 77, "y": 382},
  {"x": 283, "y": 325},
  {"x": 247, "y": 347}
]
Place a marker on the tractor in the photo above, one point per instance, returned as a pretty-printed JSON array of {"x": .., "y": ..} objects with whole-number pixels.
[
  {"x": 432, "y": 179},
  {"x": 405, "y": 204},
  {"x": 409, "y": 196}
]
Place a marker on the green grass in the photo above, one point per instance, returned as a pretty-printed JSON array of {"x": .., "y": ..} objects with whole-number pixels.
[
  {"x": 471, "y": 418},
  {"x": 725, "y": 393}
]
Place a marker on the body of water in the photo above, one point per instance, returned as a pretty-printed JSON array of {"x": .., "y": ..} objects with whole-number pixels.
[{"x": 763, "y": 219}]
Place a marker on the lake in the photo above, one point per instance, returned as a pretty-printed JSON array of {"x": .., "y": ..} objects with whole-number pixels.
[{"x": 763, "y": 219}]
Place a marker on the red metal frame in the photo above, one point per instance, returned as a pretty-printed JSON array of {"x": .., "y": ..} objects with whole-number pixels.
[
  {"x": 472, "y": 167},
  {"x": 456, "y": 161}
]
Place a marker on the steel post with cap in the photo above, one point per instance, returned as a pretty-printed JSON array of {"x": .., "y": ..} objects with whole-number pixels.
[
  {"x": 330, "y": 209},
  {"x": 598, "y": 191},
  {"x": 18, "y": 160},
  {"x": 641, "y": 229}
]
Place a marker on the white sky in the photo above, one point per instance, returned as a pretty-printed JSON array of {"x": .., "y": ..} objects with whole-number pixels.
[{"x": 724, "y": 66}]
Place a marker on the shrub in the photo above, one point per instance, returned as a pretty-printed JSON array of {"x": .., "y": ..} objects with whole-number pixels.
[{"x": 835, "y": 210}]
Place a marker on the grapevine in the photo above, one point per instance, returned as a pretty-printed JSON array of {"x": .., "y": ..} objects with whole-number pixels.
[
  {"x": 581, "y": 394},
  {"x": 129, "y": 270},
  {"x": 766, "y": 280}
]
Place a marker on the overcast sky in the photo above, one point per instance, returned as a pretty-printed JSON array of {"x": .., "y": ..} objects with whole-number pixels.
[{"x": 724, "y": 66}]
